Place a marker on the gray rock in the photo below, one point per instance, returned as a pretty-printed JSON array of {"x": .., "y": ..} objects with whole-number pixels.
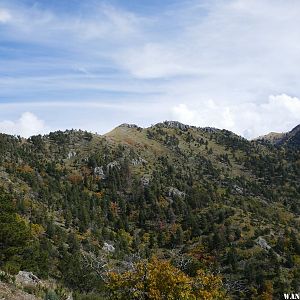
[
  {"x": 210, "y": 129},
  {"x": 113, "y": 164},
  {"x": 263, "y": 243},
  {"x": 173, "y": 124},
  {"x": 138, "y": 161},
  {"x": 129, "y": 125},
  {"x": 27, "y": 278},
  {"x": 175, "y": 192},
  {"x": 108, "y": 247},
  {"x": 145, "y": 181},
  {"x": 237, "y": 189},
  {"x": 98, "y": 171},
  {"x": 71, "y": 154}
]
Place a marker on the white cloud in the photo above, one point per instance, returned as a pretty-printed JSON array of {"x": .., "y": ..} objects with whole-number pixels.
[
  {"x": 236, "y": 52},
  {"x": 184, "y": 114},
  {"x": 279, "y": 113},
  {"x": 5, "y": 16},
  {"x": 230, "y": 47},
  {"x": 27, "y": 125}
]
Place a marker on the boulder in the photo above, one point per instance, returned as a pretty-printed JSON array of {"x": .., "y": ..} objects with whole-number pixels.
[
  {"x": 263, "y": 243},
  {"x": 108, "y": 247},
  {"x": 27, "y": 278}
]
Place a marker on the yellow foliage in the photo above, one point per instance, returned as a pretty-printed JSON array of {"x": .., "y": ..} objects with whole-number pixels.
[
  {"x": 173, "y": 228},
  {"x": 146, "y": 237},
  {"x": 159, "y": 279},
  {"x": 37, "y": 230},
  {"x": 99, "y": 194},
  {"x": 207, "y": 286},
  {"x": 25, "y": 169},
  {"x": 27, "y": 203},
  {"x": 162, "y": 202},
  {"x": 267, "y": 292},
  {"x": 126, "y": 237},
  {"x": 19, "y": 218}
]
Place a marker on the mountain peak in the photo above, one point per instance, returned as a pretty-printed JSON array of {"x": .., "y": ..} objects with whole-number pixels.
[
  {"x": 126, "y": 125},
  {"x": 173, "y": 124},
  {"x": 290, "y": 138}
]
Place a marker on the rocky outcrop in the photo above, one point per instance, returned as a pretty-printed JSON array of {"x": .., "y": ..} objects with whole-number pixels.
[
  {"x": 173, "y": 124},
  {"x": 210, "y": 129},
  {"x": 263, "y": 243},
  {"x": 129, "y": 125},
  {"x": 173, "y": 192},
  {"x": 98, "y": 171},
  {"x": 108, "y": 247},
  {"x": 113, "y": 164},
  {"x": 237, "y": 190},
  {"x": 71, "y": 154},
  {"x": 138, "y": 161},
  {"x": 27, "y": 278},
  {"x": 145, "y": 180}
]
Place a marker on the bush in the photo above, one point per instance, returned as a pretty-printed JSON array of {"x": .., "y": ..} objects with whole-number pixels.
[{"x": 51, "y": 295}]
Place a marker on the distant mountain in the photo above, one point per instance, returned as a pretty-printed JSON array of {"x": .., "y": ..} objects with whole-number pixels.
[
  {"x": 188, "y": 206},
  {"x": 288, "y": 139},
  {"x": 292, "y": 138}
]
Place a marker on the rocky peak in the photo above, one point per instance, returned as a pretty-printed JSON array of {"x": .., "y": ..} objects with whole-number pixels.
[
  {"x": 173, "y": 124},
  {"x": 126, "y": 125}
]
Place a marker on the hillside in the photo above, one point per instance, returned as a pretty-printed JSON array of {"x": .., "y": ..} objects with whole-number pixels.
[
  {"x": 289, "y": 139},
  {"x": 84, "y": 210}
]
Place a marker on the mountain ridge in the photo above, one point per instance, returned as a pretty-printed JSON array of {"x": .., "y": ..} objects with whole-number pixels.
[
  {"x": 221, "y": 203},
  {"x": 274, "y": 138},
  {"x": 290, "y": 138}
]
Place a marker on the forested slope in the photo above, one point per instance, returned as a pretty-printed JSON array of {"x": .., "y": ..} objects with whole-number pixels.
[{"x": 199, "y": 209}]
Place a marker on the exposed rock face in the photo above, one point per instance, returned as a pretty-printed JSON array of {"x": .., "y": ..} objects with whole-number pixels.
[
  {"x": 145, "y": 180},
  {"x": 175, "y": 192},
  {"x": 173, "y": 124},
  {"x": 27, "y": 278},
  {"x": 71, "y": 154},
  {"x": 129, "y": 125},
  {"x": 210, "y": 129},
  {"x": 98, "y": 171},
  {"x": 108, "y": 247},
  {"x": 138, "y": 161},
  {"x": 113, "y": 164},
  {"x": 237, "y": 189},
  {"x": 263, "y": 243},
  {"x": 4, "y": 176}
]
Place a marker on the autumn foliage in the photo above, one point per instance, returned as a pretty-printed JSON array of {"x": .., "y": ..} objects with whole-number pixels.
[{"x": 159, "y": 279}]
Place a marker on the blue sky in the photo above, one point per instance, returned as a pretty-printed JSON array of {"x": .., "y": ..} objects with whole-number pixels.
[{"x": 94, "y": 64}]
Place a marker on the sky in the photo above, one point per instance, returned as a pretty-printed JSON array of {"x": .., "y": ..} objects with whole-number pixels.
[{"x": 95, "y": 64}]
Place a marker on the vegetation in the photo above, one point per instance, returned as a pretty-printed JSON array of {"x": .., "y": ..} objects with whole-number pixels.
[{"x": 168, "y": 212}]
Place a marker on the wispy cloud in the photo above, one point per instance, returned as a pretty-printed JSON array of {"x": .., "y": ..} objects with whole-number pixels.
[
  {"x": 209, "y": 58},
  {"x": 93, "y": 24},
  {"x": 5, "y": 16}
]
